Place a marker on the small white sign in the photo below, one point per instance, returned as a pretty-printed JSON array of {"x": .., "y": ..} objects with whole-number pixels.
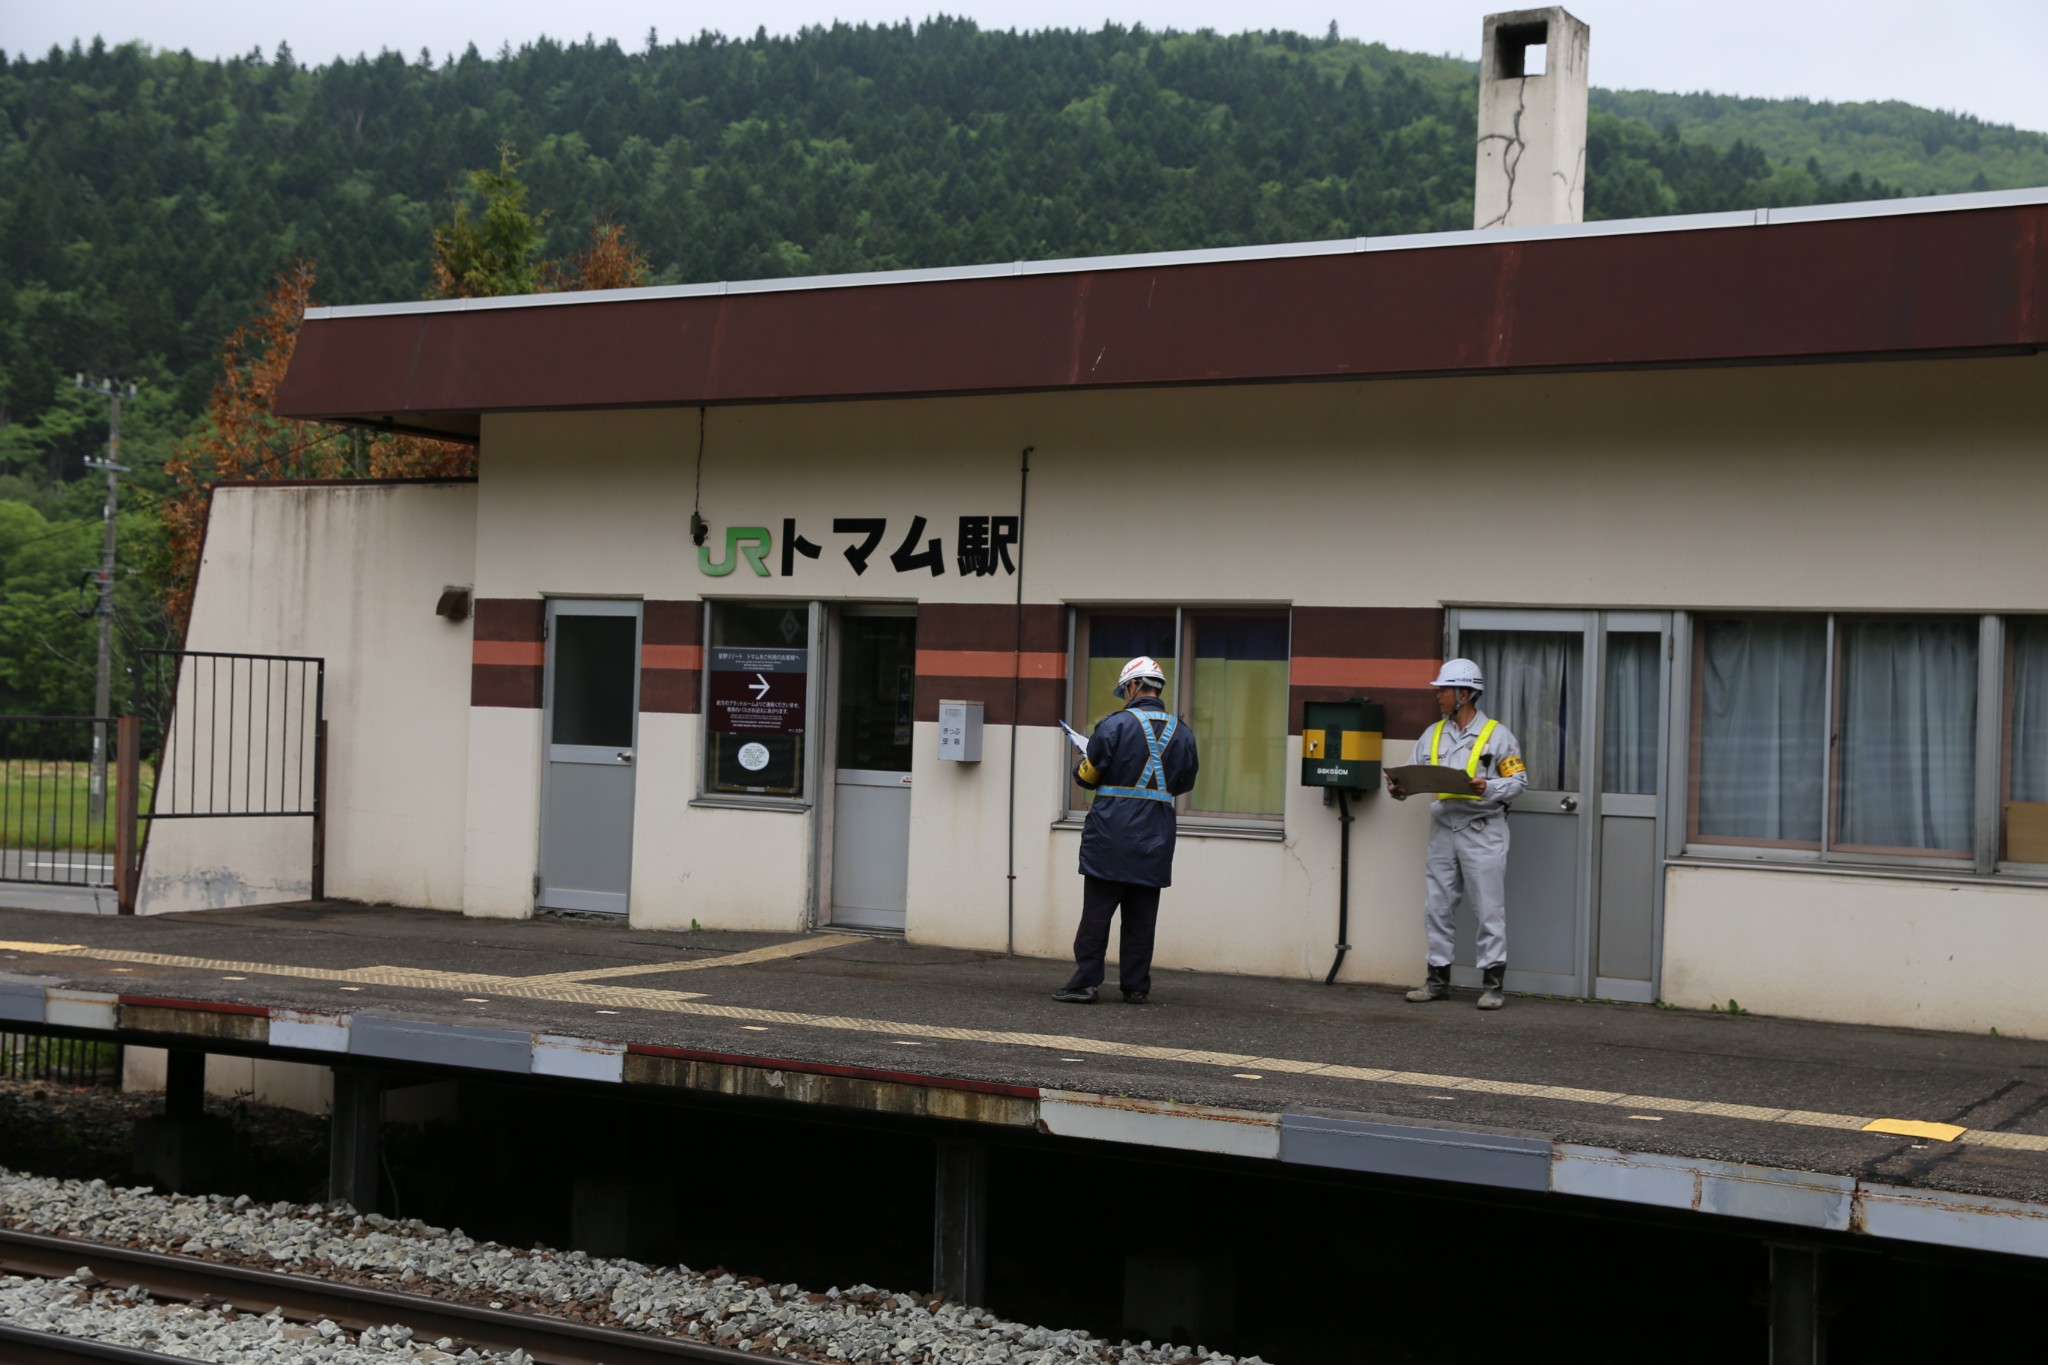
[
  {"x": 960, "y": 731},
  {"x": 753, "y": 757}
]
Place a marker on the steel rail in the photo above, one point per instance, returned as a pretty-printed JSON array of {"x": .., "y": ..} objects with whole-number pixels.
[
  {"x": 549, "y": 1340},
  {"x": 27, "y": 1346}
]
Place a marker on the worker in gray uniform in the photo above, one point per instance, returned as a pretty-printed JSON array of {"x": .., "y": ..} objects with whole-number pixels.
[{"x": 1468, "y": 832}]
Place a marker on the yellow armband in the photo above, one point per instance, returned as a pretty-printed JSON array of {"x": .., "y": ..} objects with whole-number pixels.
[{"x": 1089, "y": 773}]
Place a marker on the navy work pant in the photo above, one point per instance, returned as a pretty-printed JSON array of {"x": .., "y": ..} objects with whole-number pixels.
[{"x": 1099, "y": 900}]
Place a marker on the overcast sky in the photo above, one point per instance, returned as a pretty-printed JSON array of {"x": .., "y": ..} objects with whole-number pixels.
[{"x": 1983, "y": 57}]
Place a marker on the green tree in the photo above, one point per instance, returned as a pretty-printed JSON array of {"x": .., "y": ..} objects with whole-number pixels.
[{"x": 492, "y": 253}]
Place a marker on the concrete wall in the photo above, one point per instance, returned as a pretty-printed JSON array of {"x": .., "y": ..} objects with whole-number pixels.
[
  {"x": 1909, "y": 487},
  {"x": 1811, "y": 487},
  {"x": 349, "y": 573},
  {"x": 1531, "y": 166},
  {"x": 289, "y": 1085},
  {"x": 1917, "y": 952}
]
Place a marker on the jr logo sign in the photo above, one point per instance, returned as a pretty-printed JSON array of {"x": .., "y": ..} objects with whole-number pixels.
[{"x": 982, "y": 547}]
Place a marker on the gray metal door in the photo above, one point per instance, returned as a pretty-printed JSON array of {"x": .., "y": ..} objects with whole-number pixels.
[
  {"x": 1635, "y": 654},
  {"x": 1584, "y": 694},
  {"x": 591, "y": 717},
  {"x": 876, "y": 670}
]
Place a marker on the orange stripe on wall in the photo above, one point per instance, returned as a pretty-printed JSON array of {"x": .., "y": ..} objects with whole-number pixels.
[
  {"x": 671, "y": 656},
  {"x": 531, "y": 653},
  {"x": 989, "y": 663},
  {"x": 1311, "y": 672}
]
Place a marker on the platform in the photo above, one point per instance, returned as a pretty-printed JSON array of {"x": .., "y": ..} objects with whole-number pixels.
[{"x": 1916, "y": 1136}]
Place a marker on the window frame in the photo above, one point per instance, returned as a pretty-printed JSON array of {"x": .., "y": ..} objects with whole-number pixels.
[
  {"x": 808, "y": 771},
  {"x": 1178, "y": 699},
  {"x": 1991, "y": 751},
  {"x": 2004, "y": 705}
]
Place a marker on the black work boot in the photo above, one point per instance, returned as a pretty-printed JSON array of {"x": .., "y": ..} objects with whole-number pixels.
[
  {"x": 1438, "y": 987},
  {"x": 1491, "y": 994}
]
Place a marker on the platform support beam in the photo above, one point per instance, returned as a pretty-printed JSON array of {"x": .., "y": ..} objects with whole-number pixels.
[
  {"x": 184, "y": 1083},
  {"x": 352, "y": 1148},
  {"x": 182, "y": 1148},
  {"x": 960, "y": 1222},
  {"x": 1795, "y": 1307}
]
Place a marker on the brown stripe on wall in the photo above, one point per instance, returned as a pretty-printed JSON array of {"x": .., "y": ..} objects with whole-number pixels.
[
  {"x": 988, "y": 628},
  {"x": 672, "y": 623},
  {"x": 671, "y": 655},
  {"x": 1369, "y": 632},
  {"x": 504, "y": 685},
  {"x": 1037, "y": 700},
  {"x": 1409, "y": 712},
  {"x": 510, "y": 618},
  {"x": 506, "y": 651},
  {"x": 969, "y": 652},
  {"x": 1387, "y": 654}
]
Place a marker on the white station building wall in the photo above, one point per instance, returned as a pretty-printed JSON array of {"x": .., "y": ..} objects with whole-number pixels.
[
  {"x": 1877, "y": 487},
  {"x": 349, "y": 573}
]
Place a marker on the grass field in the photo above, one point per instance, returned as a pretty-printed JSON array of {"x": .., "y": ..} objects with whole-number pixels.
[{"x": 46, "y": 805}]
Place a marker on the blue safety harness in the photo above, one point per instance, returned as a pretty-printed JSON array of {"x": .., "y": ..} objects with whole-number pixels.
[{"x": 1152, "y": 782}]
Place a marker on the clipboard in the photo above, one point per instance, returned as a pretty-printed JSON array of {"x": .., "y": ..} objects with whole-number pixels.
[
  {"x": 1075, "y": 738},
  {"x": 1419, "y": 778}
]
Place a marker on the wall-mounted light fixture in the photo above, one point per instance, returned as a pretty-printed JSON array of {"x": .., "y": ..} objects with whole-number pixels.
[{"x": 454, "y": 603}]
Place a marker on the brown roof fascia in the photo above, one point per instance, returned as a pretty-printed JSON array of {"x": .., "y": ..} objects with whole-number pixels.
[{"x": 1889, "y": 285}]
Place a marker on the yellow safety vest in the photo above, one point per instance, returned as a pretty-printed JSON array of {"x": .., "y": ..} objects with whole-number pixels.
[{"x": 1436, "y": 737}]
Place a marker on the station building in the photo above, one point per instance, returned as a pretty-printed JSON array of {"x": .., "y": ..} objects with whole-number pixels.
[{"x": 1741, "y": 514}]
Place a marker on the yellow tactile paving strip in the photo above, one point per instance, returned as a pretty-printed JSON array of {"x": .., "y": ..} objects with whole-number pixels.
[
  {"x": 794, "y": 948},
  {"x": 579, "y": 988}
]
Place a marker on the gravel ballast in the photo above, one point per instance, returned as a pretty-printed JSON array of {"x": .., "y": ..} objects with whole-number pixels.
[
  {"x": 73, "y": 1307},
  {"x": 332, "y": 1241}
]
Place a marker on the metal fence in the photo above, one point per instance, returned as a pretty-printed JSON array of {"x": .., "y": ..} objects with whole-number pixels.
[
  {"x": 62, "y": 1061},
  {"x": 209, "y": 735},
  {"x": 57, "y": 813}
]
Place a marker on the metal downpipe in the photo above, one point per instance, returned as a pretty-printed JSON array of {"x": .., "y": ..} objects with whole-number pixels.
[{"x": 1343, "y": 882}]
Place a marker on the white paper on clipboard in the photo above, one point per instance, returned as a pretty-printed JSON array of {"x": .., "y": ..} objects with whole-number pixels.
[{"x": 1076, "y": 738}]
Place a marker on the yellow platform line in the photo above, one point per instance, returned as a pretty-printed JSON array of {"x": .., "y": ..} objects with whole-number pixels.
[
  {"x": 816, "y": 943},
  {"x": 582, "y": 991}
]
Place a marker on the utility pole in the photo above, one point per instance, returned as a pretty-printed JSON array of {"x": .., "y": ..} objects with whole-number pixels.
[{"x": 103, "y": 681}]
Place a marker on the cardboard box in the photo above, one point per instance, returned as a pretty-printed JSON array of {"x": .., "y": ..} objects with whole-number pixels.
[{"x": 2026, "y": 831}]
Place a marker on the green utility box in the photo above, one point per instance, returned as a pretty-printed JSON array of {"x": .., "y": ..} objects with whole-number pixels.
[{"x": 1340, "y": 744}]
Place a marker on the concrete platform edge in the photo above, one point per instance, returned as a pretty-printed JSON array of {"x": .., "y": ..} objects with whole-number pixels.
[{"x": 1802, "y": 1199}]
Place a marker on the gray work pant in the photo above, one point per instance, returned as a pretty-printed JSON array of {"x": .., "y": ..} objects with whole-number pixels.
[{"x": 1469, "y": 863}]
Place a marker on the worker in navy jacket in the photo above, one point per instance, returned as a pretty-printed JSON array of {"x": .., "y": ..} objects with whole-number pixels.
[{"x": 1138, "y": 760}]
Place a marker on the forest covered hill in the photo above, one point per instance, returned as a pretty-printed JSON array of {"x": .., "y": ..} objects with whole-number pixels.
[
  {"x": 148, "y": 198},
  {"x": 1914, "y": 150}
]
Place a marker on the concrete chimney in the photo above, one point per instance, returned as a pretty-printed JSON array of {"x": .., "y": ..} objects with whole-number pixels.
[{"x": 1532, "y": 120}]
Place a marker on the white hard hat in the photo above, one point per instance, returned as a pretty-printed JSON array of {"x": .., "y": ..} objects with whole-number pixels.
[
  {"x": 1140, "y": 669},
  {"x": 1460, "y": 673}
]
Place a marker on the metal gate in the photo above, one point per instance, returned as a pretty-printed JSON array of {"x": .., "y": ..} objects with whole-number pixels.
[
  {"x": 208, "y": 735},
  {"x": 237, "y": 736}
]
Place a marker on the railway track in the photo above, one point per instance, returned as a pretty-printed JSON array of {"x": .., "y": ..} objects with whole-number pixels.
[{"x": 550, "y": 1341}]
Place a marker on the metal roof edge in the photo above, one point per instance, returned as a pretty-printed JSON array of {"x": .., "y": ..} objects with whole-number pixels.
[{"x": 1420, "y": 241}]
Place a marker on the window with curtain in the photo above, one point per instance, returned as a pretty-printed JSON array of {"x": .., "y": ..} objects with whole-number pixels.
[
  {"x": 2026, "y": 738},
  {"x": 1629, "y": 722},
  {"x": 1844, "y": 734},
  {"x": 1226, "y": 675},
  {"x": 1533, "y": 687},
  {"x": 1759, "y": 719},
  {"x": 1906, "y": 735}
]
